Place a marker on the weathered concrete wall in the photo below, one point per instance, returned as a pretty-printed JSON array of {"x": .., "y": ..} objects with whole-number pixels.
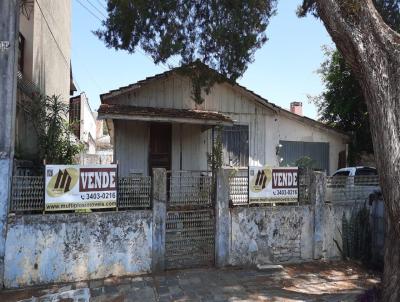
[
  {"x": 8, "y": 85},
  {"x": 262, "y": 235},
  {"x": 71, "y": 247},
  {"x": 332, "y": 226}
]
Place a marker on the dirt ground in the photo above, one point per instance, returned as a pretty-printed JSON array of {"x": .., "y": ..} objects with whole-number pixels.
[{"x": 316, "y": 281}]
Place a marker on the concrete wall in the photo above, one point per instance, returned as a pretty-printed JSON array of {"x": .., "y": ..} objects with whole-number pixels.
[
  {"x": 71, "y": 247},
  {"x": 332, "y": 226},
  {"x": 262, "y": 235}
]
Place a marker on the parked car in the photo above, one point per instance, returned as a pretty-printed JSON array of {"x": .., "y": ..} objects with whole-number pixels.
[{"x": 352, "y": 183}]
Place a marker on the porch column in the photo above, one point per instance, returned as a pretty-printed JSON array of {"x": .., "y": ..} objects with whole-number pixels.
[
  {"x": 222, "y": 219},
  {"x": 317, "y": 194},
  {"x": 159, "y": 219},
  {"x": 9, "y": 26}
]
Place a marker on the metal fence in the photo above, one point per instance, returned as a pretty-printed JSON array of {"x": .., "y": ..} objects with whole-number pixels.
[
  {"x": 239, "y": 187},
  {"x": 28, "y": 193},
  {"x": 134, "y": 192},
  {"x": 350, "y": 188},
  {"x": 189, "y": 188}
]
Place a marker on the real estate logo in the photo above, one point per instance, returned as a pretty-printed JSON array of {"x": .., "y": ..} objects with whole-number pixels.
[
  {"x": 261, "y": 181},
  {"x": 62, "y": 182}
]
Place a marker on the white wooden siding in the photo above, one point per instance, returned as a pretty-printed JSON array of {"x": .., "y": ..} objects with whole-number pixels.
[{"x": 266, "y": 127}]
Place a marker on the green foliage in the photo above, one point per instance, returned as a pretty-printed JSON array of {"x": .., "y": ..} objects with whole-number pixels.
[
  {"x": 222, "y": 34},
  {"x": 390, "y": 12},
  {"x": 55, "y": 139},
  {"x": 215, "y": 158},
  {"x": 305, "y": 162},
  {"x": 356, "y": 236},
  {"x": 342, "y": 104}
]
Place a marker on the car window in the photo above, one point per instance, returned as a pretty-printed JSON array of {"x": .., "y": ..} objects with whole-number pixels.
[
  {"x": 342, "y": 173},
  {"x": 366, "y": 171}
]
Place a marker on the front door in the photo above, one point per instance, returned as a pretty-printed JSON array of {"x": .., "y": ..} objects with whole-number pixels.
[{"x": 160, "y": 146}]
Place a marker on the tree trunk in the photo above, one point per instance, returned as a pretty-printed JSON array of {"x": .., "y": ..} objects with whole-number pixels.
[
  {"x": 391, "y": 281},
  {"x": 373, "y": 51}
]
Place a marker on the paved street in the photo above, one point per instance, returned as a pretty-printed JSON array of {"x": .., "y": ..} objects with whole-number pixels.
[{"x": 303, "y": 282}]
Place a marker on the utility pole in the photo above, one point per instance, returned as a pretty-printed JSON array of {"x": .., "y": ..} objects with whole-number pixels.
[{"x": 9, "y": 29}]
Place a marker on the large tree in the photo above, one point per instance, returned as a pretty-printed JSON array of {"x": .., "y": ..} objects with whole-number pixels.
[
  {"x": 342, "y": 105},
  {"x": 226, "y": 33},
  {"x": 372, "y": 49}
]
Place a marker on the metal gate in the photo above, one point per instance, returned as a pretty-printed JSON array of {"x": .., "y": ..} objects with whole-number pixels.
[{"x": 190, "y": 225}]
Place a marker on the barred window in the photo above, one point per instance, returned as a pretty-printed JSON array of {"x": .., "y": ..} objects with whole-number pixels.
[{"x": 235, "y": 142}]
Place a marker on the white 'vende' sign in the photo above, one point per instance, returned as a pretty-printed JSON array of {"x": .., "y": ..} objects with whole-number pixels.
[
  {"x": 71, "y": 187},
  {"x": 273, "y": 185}
]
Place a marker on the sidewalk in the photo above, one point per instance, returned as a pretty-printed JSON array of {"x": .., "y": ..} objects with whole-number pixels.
[{"x": 338, "y": 281}]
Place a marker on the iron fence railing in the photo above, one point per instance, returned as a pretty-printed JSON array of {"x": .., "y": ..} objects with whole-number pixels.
[
  {"x": 189, "y": 188},
  {"x": 28, "y": 193},
  {"x": 350, "y": 188},
  {"x": 239, "y": 187},
  {"x": 134, "y": 192}
]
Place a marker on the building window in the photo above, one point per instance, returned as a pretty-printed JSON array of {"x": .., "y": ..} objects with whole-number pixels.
[
  {"x": 235, "y": 144},
  {"x": 315, "y": 153},
  {"x": 21, "y": 52},
  {"x": 75, "y": 115}
]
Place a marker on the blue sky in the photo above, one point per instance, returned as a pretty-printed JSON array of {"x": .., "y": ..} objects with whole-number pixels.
[{"x": 284, "y": 69}]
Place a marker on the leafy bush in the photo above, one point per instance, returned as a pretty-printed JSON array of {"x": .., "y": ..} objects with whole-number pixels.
[{"x": 57, "y": 144}]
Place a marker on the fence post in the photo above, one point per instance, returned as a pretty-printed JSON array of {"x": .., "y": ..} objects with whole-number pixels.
[
  {"x": 222, "y": 219},
  {"x": 159, "y": 219},
  {"x": 317, "y": 196}
]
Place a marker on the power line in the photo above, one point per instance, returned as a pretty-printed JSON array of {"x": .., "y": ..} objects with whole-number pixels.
[
  {"x": 85, "y": 7},
  {"x": 95, "y": 7},
  {"x": 101, "y": 4},
  {"x": 51, "y": 32}
]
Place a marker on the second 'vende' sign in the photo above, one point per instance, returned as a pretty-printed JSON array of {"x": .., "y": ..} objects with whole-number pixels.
[
  {"x": 268, "y": 184},
  {"x": 71, "y": 187}
]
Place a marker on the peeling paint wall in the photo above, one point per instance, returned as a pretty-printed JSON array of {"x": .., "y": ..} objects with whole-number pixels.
[
  {"x": 262, "y": 235},
  {"x": 72, "y": 247},
  {"x": 332, "y": 218}
]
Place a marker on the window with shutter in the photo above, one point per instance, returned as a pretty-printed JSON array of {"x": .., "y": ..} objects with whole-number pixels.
[{"x": 235, "y": 142}]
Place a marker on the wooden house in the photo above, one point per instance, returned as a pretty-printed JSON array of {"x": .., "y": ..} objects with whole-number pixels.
[{"x": 156, "y": 123}]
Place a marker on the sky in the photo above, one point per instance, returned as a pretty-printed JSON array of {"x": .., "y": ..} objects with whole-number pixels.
[{"x": 284, "y": 69}]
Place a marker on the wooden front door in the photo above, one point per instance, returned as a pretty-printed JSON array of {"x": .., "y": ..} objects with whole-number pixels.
[{"x": 160, "y": 146}]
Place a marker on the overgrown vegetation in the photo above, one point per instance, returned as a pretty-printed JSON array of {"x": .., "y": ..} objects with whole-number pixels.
[
  {"x": 342, "y": 104},
  {"x": 305, "y": 162},
  {"x": 56, "y": 143},
  {"x": 356, "y": 237},
  {"x": 215, "y": 158}
]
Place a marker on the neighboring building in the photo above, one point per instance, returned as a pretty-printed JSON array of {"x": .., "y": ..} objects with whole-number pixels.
[
  {"x": 43, "y": 63},
  {"x": 156, "y": 123},
  {"x": 89, "y": 131},
  {"x": 83, "y": 122}
]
